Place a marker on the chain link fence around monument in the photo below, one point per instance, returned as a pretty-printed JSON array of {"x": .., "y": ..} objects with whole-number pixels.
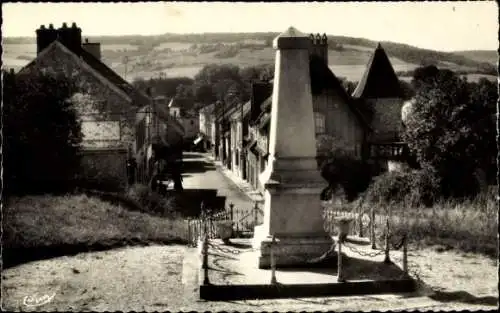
[{"x": 368, "y": 223}]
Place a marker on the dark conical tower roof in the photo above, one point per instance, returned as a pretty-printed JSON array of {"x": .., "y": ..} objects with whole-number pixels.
[{"x": 379, "y": 79}]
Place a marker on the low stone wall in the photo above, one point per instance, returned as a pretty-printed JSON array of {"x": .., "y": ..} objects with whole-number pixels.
[{"x": 104, "y": 169}]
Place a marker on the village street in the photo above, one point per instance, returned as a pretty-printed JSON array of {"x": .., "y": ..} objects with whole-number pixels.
[{"x": 200, "y": 172}]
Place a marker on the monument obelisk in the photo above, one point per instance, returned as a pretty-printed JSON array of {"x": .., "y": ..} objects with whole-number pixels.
[{"x": 292, "y": 207}]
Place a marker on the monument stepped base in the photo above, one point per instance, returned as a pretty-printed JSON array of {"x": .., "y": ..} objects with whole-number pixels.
[
  {"x": 292, "y": 251},
  {"x": 234, "y": 274}
]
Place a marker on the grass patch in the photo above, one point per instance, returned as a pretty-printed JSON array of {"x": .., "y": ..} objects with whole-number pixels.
[
  {"x": 467, "y": 226},
  {"x": 35, "y": 222}
]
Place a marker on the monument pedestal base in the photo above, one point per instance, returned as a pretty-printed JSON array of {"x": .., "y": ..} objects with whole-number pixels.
[{"x": 296, "y": 251}]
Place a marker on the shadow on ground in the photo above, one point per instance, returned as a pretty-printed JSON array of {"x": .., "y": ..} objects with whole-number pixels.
[
  {"x": 190, "y": 201},
  {"x": 13, "y": 256},
  {"x": 192, "y": 155},
  {"x": 239, "y": 245},
  {"x": 354, "y": 269},
  {"x": 464, "y": 297},
  {"x": 190, "y": 167}
]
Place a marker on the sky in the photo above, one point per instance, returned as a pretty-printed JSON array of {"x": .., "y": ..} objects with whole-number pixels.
[{"x": 444, "y": 26}]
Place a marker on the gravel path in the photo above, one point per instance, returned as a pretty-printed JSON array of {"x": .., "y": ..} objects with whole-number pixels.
[{"x": 151, "y": 279}]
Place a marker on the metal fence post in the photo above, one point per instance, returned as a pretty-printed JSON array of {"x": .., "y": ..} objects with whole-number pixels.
[
  {"x": 340, "y": 272},
  {"x": 231, "y": 208},
  {"x": 273, "y": 262},
  {"x": 256, "y": 212},
  {"x": 387, "y": 257},
  {"x": 189, "y": 230},
  {"x": 206, "y": 281},
  {"x": 360, "y": 221},
  {"x": 237, "y": 213},
  {"x": 372, "y": 227},
  {"x": 405, "y": 254}
]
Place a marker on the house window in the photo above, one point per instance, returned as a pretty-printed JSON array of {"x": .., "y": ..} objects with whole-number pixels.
[{"x": 319, "y": 122}]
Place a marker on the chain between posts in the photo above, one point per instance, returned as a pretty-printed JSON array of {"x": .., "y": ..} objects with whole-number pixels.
[{"x": 362, "y": 253}]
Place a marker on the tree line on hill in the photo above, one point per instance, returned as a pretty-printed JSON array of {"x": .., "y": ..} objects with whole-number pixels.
[
  {"x": 224, "y": 83},
  {"x": 404, "y": 52},
  {"x": 227, "y": 83}
]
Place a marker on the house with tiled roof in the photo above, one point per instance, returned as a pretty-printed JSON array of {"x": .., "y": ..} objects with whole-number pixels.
[
  {"x": 106, "y": 103},
  {"x": 379, "y": 92}
]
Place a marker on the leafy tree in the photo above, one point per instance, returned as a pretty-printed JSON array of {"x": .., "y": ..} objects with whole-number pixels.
[
  {"x": 349, "y": 86},
  {"x": 257, "y": 72},
  {"x": 407, "y": 89},
  {"x": 424, "y": 75},
  {"x": 220, "y": 83},
  {"x": 448, "y": 129},
  {"x": 184, "y": 91},
  {"x": 204, "y": 93},
  {"x": 214, "y": 73},
  {"x": 166, "y": 86},
  {"x": 42, "y": 134},
  {"x": 483, "y": 98}
]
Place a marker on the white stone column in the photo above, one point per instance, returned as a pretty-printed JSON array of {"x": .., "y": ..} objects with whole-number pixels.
[{"x": 292, "y": 208}]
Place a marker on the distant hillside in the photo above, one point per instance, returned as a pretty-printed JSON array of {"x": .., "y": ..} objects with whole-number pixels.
[
  {"x": 186, "y": 54},
  {"x": 489, "y": 56}
]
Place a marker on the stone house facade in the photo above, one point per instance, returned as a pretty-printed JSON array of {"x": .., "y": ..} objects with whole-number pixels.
[
  {"x": 106, "y": 103},
  {"x": 159, "y": 140},
  {"x": 206, "y": 131},
  {"x": 239, "y": 120}
]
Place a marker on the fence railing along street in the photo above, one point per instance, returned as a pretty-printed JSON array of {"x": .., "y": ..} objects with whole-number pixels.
[{"x": 243, "y": 221}]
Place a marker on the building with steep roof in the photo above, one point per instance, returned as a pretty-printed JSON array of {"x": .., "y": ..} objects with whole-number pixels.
[
  {"x": 106, "y": 103},
  {"x": 379, "y": 92},
  {"x": 379, "y": 89}
]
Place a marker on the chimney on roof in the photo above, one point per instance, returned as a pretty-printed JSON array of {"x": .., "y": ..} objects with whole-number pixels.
[
  {"x": 319, "y": 47},
  {"x": 93, "y": 48},
  {"x": 44, "y": 37},
  {"x": 71, "y": 37}
]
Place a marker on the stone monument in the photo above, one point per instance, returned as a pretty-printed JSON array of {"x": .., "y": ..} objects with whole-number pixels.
[{"x": 292, "y": 207}]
